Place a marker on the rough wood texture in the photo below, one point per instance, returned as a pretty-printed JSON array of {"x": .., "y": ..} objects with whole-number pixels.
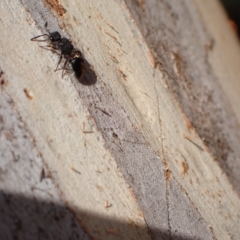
[{"x": 146, "y": 147}]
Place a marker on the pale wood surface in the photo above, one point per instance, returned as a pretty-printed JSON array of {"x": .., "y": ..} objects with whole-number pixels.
[{"x": 151, "y": 145}]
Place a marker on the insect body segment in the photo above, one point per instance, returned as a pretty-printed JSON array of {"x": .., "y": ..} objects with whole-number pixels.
[
  {"x": 77, "y": 63},
  {"x": 65, "y": 48},
  {"x": 53, "y": 38}
]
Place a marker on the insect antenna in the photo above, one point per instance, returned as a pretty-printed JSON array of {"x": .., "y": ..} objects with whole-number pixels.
[{"x": 40, "y": 40}]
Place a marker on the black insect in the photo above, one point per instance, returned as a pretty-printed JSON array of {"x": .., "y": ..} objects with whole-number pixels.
[
  {"x": 77, "y": 63},
  {"x": 66, "y": 49}
]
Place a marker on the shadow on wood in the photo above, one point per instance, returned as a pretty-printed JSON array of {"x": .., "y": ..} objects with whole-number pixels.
[{"x": 24, "y": 218}]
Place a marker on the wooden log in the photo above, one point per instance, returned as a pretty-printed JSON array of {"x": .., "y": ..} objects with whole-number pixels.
[{"x": 145, "y": 146}]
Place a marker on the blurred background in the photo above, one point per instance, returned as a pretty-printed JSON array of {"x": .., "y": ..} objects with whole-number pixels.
[{"x": 233, "y": 10}]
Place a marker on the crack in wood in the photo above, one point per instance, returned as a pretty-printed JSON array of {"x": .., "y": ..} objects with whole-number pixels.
[{"x": 165, "y": 164}]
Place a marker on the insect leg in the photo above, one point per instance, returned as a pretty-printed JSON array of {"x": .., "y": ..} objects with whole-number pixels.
[
  {"x": 64, "y": 67},
  {"x": 60, "y": 59},
  {"x": 51, "y": 48}
]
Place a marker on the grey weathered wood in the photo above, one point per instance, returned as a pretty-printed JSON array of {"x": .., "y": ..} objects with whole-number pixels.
[{"x": 150, "y": 144}]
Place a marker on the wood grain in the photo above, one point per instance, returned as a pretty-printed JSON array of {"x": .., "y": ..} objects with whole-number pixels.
[{"x": 145, "y": 147}]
